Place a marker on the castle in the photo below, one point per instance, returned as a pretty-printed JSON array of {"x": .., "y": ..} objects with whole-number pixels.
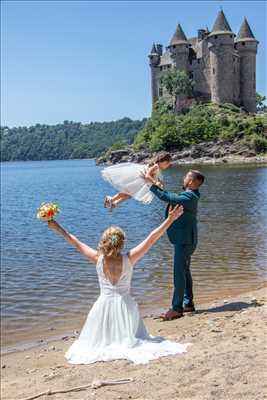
[{"x": 222, "y": 65}]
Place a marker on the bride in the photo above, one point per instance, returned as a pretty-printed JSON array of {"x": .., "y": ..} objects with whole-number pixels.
[{"x": 114, "y": 329}]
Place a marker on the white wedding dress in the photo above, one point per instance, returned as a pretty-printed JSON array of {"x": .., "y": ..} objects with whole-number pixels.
[
  {"x": 127, "y": 178},
  {"x": 114, "y": 329}
]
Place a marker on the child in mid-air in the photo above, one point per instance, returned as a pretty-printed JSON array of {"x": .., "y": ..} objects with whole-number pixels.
[{"x": 128, "y": 179}]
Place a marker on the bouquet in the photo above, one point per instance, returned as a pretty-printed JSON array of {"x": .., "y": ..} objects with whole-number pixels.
[{"x": 47, "y": 211}]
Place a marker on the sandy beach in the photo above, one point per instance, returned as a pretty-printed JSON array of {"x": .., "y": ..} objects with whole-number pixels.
[{"x": 226, "y": 360}]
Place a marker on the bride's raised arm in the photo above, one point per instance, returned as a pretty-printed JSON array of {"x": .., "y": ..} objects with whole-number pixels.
[
  {"x": 85, "y": 250},
  {"x": 141, "y": 249}
]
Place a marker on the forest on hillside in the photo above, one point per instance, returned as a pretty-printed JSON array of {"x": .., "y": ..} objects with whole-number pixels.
[{"x": 68, "y": 140}]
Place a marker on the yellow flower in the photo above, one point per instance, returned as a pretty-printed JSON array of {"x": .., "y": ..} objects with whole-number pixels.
[{"x": 47, "y": 211}]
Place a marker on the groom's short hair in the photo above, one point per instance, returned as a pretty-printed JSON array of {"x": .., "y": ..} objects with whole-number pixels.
[{"x": 197, "y": 176}]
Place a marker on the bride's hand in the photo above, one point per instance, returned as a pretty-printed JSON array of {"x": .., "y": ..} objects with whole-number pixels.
[
  {"x": 175, "y": 212},
  {"x": 145, "y": 176},
  {"x": 52, "y": 224}
]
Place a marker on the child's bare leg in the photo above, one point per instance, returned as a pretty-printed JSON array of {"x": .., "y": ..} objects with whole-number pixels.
[{"x": 119, "y": 198}]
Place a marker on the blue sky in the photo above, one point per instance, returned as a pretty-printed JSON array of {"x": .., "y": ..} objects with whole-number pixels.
[{"x": 87, "y": 61}]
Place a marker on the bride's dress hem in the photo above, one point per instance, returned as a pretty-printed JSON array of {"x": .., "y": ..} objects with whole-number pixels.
[
  {"x": 114, "y": 329},
  {"x": 141, "y": 359}
]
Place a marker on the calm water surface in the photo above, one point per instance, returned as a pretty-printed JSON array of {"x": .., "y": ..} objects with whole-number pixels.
[{"x": 46, "y": 283}]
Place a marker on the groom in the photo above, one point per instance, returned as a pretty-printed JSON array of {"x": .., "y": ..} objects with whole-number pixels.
[{"x": 183, "y": 235}]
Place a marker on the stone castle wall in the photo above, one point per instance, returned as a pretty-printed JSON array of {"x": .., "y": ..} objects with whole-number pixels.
[
  {"x": 248, "y": 75},
  {"x": 221, "y": 71}
]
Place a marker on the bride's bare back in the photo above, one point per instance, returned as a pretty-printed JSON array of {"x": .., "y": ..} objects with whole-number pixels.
[{"x": 112, "y": 268}]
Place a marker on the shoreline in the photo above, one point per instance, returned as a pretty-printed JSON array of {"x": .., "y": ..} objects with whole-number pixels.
[
  {"x": 226, "y": 160},
  {"x": 71, "y": 331},
  {"x": 219, "y": 151},
  {"x": 227, "y": 339},
  {"x": 229, "y": 160}
]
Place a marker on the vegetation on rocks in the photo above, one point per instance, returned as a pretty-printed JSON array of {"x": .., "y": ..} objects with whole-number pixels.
[{"x": 166, "y": 130}]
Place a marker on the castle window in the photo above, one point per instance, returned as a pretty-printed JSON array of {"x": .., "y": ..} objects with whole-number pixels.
[
  {"x": 191, "y": 75},
  {"x": 215, "y": 37},
  {"x": 192, "y": 55},
  {"x": 231, "y": 36},
  {"x": 243, "y": 44},
  {"x": 174, "y": 46},
  {"x": 160, "y": 92},
  {"x": 160, "y": 68},
  {"x": 213, "y": 71},
  {"x": 198, "y": 60}
]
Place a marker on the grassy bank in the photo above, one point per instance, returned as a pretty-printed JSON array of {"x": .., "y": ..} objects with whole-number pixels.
[{"x": 202, "y": 123}]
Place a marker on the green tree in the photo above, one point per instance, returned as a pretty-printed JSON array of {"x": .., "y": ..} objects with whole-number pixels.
[
  {"x": 163, "y": 106},
  {"x": 260, "y": 102},
  {"x": 177, "y": 83}
]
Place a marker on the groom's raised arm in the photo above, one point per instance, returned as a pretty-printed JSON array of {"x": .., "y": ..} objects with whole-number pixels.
[{"x": 168, "y": 197}]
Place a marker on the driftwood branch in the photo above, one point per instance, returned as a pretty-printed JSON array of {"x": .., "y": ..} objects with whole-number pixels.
[{"x": 94, "y": 385}]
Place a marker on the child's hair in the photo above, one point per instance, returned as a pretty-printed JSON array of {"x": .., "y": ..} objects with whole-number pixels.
[
  {"x": 197, "y": 176},
  {"x": 112, "y": 241},
  {"x": 163, "y": 156}
]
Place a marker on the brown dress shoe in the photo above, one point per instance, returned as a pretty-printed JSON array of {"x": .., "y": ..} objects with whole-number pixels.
[
  {"x": 172, "y": 314},
  {"x": 189, "y": 308}
]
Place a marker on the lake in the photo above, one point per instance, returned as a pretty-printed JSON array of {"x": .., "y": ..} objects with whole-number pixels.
[{"x": 47, "y": 286}]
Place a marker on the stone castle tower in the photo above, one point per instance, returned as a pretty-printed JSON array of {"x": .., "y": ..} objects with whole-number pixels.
[{"x": 222, "y": 64}]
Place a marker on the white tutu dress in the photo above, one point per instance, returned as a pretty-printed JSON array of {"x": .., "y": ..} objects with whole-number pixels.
[
  {"x": 114, "y": 329},
  {"x": 127, "y": 178}
]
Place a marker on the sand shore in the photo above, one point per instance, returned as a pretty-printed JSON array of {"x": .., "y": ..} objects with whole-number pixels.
[{"x": 226, "y": 360}]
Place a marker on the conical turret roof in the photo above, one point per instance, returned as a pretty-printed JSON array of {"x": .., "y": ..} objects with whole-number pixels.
[
  {"x": 179, "y": 36},
  {"x": 245, "y": 32},
  {"x": 221, "y": 24},
  {"x": 154, "y": 49}
]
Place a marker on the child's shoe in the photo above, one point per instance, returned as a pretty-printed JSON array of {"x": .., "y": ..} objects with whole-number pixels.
[{"x": 108, "y": 203}]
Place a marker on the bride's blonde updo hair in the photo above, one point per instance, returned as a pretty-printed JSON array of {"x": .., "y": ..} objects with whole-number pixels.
[{"x": 112, "y": 241}]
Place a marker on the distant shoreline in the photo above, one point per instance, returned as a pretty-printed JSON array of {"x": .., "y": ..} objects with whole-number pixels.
[
  {"x": 230, "y": 160},
  {"x": 213, "y": 152},
  {"x": 56, "y": 159}
]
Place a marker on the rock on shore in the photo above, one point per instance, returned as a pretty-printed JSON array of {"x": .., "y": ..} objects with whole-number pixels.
[{"x": 202, "y": 153}]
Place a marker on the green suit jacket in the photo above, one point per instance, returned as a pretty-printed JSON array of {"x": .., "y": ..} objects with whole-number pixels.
[{"x": 184, "y": 229}]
